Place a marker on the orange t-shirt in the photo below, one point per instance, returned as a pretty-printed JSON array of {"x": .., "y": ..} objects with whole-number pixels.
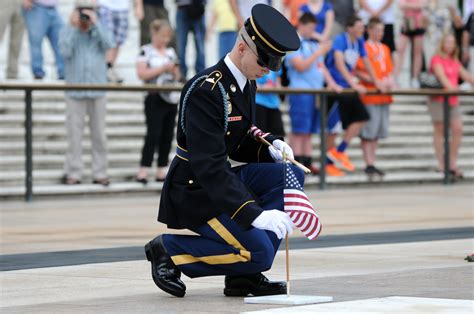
[
  {"x": 380, "y": 58},
  {"x": 294, "y": 7}
]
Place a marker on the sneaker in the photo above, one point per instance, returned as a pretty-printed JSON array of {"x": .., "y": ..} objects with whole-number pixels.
[
  {"x": 340, "y": 158},
  {"x": 372, "y": 170},
  {"x": 333, "y": 171},
  {"x": 369, "y": 170},
  {"x": 415, "y": 83},
  {"x": 113, "y": 77},
  {"x": 314, "y": 170}
]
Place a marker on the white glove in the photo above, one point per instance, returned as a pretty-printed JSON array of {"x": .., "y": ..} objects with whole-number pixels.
[
  {"x": 277, "y": 153},
  {"x": 274, "y": 220}
]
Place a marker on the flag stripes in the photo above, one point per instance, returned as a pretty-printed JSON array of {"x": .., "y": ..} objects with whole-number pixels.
[{"x": 299, "y": 207}]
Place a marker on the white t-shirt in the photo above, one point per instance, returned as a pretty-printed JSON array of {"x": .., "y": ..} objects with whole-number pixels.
[
  {"x": 114, "y": 5},
  {"x": 154, "y": 59},
  {"x": 386, "y": 17}
]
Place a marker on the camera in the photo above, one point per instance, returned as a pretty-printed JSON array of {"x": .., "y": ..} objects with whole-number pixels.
[{"x": 82, "y": 16}]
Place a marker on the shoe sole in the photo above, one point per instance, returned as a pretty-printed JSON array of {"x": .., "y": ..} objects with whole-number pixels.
[
  {"x": 228, "y": 292},
  {"x": 149, "y": 257}
]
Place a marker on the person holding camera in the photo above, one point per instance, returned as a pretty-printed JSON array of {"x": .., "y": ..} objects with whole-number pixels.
[
  {"x": 83, "y": 44},
  {"x": 157, "y": 64}
]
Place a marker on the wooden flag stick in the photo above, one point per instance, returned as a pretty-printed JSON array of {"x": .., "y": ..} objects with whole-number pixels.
[
  {"x": 294, "y": 162},
  {"x": 285, "y": 158},
  {"x": 287, "y": 266}
]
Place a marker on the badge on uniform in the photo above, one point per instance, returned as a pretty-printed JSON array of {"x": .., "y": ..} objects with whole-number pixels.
[
  {"x": 235, "y": 118},
  {"x": 229, "y": 104},
  {"x": 233, "y": 89}
]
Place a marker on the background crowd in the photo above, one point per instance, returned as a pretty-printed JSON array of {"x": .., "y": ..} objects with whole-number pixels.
[{"x": 344, "y": 44}]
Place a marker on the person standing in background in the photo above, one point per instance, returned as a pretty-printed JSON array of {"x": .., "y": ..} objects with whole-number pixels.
[
  {"x": 446, "y": 67},
  {"x": 83, "y": 44},
  {"x": 384, "y": 11},
  {"x": 324, "y": 14},
  {"x": 190, "y": 17},
  {"x": 222, "y": 15},
  {"x": 42, "y": 19},
  {"x": 242, "y": 9},
  {"x": 158, "y": 61},
  {"x": 146, "y": 11},
  {"x": 113, "y": 15},
  {"x": 412, "y": 30},
  {"x": 347, "y": 48},
  {"x": 11, "y": 15},
  {"x": 377, "y": 105}
]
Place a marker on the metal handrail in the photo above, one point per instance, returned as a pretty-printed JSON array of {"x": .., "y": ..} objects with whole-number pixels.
[{"x": 321, "y": 93}]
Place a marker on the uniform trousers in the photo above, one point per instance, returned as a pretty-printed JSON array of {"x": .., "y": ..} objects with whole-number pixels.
[
  {"x": 223, "y": 247},
  {"x": 10, "y": 14},
  {"x": 76, "y": 111}
]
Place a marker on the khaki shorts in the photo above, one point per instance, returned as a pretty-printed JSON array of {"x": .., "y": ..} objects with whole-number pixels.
[
  {"x": 377, "y": 126},
  {"x": 436, "y": 111}
]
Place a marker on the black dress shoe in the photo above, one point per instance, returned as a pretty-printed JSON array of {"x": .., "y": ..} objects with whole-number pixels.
[
  {"x": 256, "y": 285},
  {"x": 165, "y": 274}
]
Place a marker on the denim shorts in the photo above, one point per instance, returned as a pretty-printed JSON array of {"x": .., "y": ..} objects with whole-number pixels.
[{"x": 305, "y": 115}]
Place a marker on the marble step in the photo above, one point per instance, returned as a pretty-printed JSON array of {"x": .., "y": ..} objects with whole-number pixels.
[{"x": 154, "y": 187}]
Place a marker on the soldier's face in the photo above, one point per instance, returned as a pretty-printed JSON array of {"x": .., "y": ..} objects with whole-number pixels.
[{"x": 251, "y": 68}]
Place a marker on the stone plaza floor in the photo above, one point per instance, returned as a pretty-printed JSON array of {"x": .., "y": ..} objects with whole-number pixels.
[{"x": 382, "y": 250}]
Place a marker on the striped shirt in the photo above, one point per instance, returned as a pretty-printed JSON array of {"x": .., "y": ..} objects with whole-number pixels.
[{"x": 84, "y": 58}]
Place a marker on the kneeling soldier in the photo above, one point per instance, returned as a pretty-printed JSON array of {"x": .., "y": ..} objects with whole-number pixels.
[{"x": 236, "y": 212}]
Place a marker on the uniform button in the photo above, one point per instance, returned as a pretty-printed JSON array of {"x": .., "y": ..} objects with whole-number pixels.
[
  {"x": 228, "y": 132},
  {"x": 190, "y": 181}
]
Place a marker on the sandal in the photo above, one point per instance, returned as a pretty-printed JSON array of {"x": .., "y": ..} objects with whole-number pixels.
[
  {"x": 456, "y": 173},
  {"x": 143, "y": 181},
  {"x": 69, "y": 181},
  {"x": 103, "y": 181}
]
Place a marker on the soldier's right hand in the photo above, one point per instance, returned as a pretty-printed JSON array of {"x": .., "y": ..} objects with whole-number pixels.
[{"x": 274, "y": 220}]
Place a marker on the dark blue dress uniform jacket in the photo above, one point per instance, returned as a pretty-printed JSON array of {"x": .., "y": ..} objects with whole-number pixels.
[{"x": 202, "y": 185}]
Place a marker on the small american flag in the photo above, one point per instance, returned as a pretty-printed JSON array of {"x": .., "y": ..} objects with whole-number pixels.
[{"x": 298, "y": 206}]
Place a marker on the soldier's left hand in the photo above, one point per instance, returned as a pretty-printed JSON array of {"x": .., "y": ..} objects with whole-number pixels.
[{"x": 276, "y": 151}]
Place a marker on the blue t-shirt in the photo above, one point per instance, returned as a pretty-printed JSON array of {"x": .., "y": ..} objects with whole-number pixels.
[
  {"x": 320, "y": 16},
  {"x": 351, "y": 51},
  {"x": 311, "y": 78},
  {"x": 271, "y": 101}
]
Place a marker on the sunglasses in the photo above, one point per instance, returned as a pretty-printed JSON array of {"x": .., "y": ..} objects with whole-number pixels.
[{"x": 259, "y": 60}]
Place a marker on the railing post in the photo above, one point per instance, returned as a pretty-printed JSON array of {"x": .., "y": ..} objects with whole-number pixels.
[
  {"x": 322, "y": 133},
  {"x": 28, "y": 146},
  {"x": 446, "y": 121}
]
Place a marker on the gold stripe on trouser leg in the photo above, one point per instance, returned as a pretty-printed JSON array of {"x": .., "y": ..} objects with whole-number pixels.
[
  {"x": 211, "y": 260},
  {"x": 222, "y": 231}
]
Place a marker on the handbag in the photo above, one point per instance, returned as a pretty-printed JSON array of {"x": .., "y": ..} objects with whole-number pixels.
[
  {"x": 429, "y": 80},
  {"x": 167, "y": 79}
]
